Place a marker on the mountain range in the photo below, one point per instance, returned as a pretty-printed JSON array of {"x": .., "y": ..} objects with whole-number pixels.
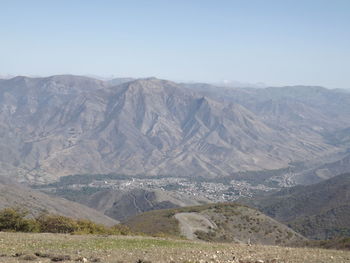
[{"x": 63, "y": 125}]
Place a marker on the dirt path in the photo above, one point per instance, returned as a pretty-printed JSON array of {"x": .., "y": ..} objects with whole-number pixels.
[{"x": 192, "y": 222}]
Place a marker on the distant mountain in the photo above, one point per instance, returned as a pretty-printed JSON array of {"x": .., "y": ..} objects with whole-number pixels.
[
  {"x": 63, "y": 125},
  {"x": 318, "y": 211},
  {"x": 15, "y": 195},
  {"x": 312, "y": 109},
  {"x": 312, "y": 114},
  {"x": 225, "y": 222}
]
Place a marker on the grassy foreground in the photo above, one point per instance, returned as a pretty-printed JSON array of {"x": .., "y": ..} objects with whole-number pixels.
[{"x": 29, "y": 247}]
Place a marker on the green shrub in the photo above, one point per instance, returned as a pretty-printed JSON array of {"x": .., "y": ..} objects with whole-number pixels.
[
  {"x": 57, "y": 224},
  {"x": 12, "y": 219},
  {"x": 122, "y": 229},
  {"x": 16, "y": 220},
  {"x": 87, "y": 227},
  {"x": 205, "y": 236}
]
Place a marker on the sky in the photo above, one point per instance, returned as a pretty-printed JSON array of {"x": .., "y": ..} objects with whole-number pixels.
[{"x": 276, "y": 42}]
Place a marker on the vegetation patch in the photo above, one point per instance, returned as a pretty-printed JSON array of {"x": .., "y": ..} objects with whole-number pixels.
[{"x": 15, "y": 220}]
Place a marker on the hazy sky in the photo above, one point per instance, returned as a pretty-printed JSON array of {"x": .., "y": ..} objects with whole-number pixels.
[{"x": 277, "y": 42}]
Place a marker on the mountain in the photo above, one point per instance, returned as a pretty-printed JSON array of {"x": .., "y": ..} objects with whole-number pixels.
[
  {"x": 225, "y": 222},
  {"x": 311, "y": 110},
  {"x": 333, "y": 103},
  {"x": 312, "y": 114},
  {"x": 63, "y": 125},
  {"x": 318, "y": 211},
  {"x": 13, "y": 194}
]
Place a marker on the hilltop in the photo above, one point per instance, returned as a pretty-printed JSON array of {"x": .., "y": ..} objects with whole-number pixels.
[{"x": 226, "y": 222}]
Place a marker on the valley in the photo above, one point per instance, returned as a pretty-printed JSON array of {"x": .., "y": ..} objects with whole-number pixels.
[
  {"x": 212, "y": 190},
  {"x": 166, "y": 158},
  {"x": 175, "y": 131}
]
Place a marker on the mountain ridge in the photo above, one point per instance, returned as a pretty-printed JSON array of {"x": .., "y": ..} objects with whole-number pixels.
[{"x": 63, "y": 125}]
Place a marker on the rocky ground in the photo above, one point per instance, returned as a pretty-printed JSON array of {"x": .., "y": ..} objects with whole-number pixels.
[{"x": 19, "y": 247}]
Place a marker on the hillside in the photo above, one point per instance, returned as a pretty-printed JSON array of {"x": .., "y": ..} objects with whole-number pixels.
[
  {"x": 226, "y": 222},
  {"x": 14, "y": 195},
  {"x": 64, "y": 125},
  {"x": 318, "y": 211},
  {"x": 19, "y": 247}
]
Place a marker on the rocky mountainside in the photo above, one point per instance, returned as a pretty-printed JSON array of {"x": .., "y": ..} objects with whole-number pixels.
[
  {"x": 63, "y": 125},
  {"x": 13, "y": 194},
  {"x": 225, "y": 222},
  {"x": 311, "y": 113},
  {"x": 318, "y": 211}
]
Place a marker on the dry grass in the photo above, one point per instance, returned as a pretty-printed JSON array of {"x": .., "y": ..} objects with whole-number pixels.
[{"x": 24, "y": 247}]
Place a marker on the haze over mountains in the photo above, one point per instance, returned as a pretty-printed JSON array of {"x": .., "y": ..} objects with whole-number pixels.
[{"x": 63, "y": 125}]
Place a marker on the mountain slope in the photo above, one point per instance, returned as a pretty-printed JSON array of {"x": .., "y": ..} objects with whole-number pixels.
[
  {"x": 318, "y": 211},
  {"x": 65, "y": 125},
  {"x": 226, "y": 222},
  {"x": 15, "y": 195}
]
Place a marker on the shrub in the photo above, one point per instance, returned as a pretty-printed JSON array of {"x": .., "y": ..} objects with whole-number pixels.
[
  {"x": 57, "y": 224},
  {"x": 16, "y": 220},
  {"x": 12, "y": 219},
  {"x": 87, "y": 227},
  {"x": 122, "y": 230},
  {"x": 205, "y": 236}
]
